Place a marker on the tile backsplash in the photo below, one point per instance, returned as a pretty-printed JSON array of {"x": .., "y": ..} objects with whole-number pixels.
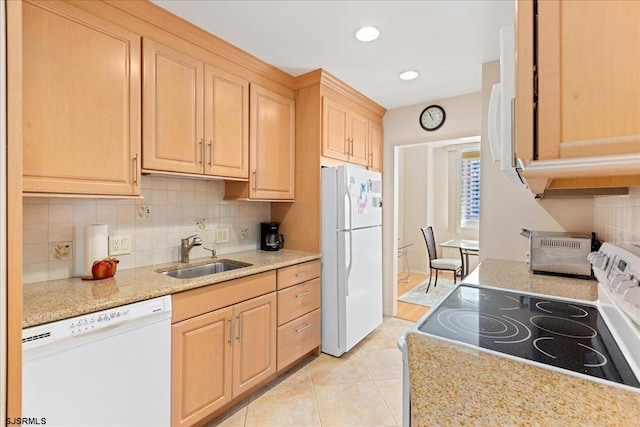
[
  {"x": 616, "y": 219},
  {"x": 171, "y": 208}
]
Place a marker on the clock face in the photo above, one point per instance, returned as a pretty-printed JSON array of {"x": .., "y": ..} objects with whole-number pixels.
[{"x": 432, "y": 117}]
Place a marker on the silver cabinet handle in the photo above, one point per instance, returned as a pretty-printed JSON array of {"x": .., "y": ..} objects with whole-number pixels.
[
  {"x": 238, "y": 337},
  {"x": 135, "y": 171},
  {"x": 255, "y": 181},
  {"x": 210, "y": 153},
  {"x": 304, "y": 273},
  {"x": 307, "y": 326},
  {"x": 371, "y": 159},
  {"x": 304, "y": 294},
  {"x": 230, "y": 331},
  {"x": 201, "y": 152}
]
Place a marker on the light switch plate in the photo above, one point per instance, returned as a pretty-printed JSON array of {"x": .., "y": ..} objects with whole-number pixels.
[
  {"x": 222, "y": 235},
  {"x": 119, "y": 245}
]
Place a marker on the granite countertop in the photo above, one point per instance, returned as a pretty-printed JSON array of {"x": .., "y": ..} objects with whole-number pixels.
[
  {"x": 53, "y": 300},
  {"x": 454, "y": 385}
]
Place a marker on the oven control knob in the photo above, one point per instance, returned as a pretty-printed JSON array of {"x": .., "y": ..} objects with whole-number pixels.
[
  {"x": 632, "y": 296},
  {"x": 599, "y": 260},
  {"x": 626, "y": 284},
  {"x": 619, "y": 279}
]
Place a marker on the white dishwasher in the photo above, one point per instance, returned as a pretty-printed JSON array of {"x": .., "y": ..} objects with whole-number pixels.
[{"x": 108, "y": 368}]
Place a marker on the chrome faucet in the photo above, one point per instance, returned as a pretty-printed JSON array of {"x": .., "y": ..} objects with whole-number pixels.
[{"x": 185, "y": 247}]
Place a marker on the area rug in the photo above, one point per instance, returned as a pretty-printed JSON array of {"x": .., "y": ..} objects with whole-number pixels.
[{"x": 417, "y": 294}]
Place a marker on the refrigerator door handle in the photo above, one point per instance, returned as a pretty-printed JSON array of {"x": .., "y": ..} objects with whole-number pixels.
[
  {"x": 350, "y": 207},
  {"x": 348, "y": 233}
]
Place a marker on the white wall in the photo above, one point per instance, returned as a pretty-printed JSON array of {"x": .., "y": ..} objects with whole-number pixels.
[
  {"x": 506, "y": 207},
  {"x": 401, "y": 129}
]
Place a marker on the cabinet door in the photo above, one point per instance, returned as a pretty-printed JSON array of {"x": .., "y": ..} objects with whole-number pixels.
[
  {"x": 226, "y": 112},
  {"x": 375, "y": 146},
  {"x": 335, "y": 130},
  {"x": 254, "y": 351},
  {"x": 172, "y": 110},
  {"x": 589, "y": 81},
  {"x": 358, "y": 137},
  {"x": 272, "y": 145},
  {"x": 81, "y": 103},
  {"x": 201, "y": 361}
]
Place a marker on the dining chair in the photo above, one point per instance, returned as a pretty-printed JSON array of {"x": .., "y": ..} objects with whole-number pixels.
[{"x": 436, "y": 263}]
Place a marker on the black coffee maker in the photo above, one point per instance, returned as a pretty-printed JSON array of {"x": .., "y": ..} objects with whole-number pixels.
[{"x": 270, "y": 239}]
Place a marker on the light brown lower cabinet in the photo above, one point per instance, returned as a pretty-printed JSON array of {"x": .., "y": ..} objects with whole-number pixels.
[
  {"x": 297, "y": 338},
  {"x": 219, "y": 355},
  {"x": 231, "y": 337}
]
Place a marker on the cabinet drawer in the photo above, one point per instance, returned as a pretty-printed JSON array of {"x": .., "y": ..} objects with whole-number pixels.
[
  {"x": 297, "y": 338},
  {"x": 298, "y": 300},
  {"x": 202, "y": 300},
  {"x": 298, "y": 273}
]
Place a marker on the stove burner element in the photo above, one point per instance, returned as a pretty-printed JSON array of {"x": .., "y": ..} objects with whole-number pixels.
[
  {"x": 561, "y": 309},
  {"x": 561, "y": 326},
  {"x": 601, "y": 359},
  {"x": 461, "y": 321},
  {"x": 504, "y": 302}
]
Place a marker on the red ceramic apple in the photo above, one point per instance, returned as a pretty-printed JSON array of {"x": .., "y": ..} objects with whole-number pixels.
[{"x": 104, "y": 268}]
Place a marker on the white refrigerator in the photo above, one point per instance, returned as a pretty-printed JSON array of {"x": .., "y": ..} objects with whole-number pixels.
[{"x": 351, "y": 256}]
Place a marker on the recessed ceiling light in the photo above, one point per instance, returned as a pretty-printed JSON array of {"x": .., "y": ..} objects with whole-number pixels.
[
  {"x": 367, "y": 34},
  {"x": 409, "y": 75}
]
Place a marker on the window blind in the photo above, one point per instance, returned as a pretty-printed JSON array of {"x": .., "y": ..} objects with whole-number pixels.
[{"x": 470, "y": 189}]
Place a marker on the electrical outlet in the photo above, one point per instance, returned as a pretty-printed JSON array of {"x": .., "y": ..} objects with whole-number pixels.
[
  {"x": 244, "y": 233},
  {"x": 222, "y": 235},
  {"x": 119, "y": 245}
]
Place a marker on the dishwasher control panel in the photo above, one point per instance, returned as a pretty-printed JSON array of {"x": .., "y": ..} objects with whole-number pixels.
[{"x": 47, "y": 333}]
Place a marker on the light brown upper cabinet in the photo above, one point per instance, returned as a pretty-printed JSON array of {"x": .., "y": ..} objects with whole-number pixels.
[
  {"x": 226, "y": 124},
  {"x": 271, "y": 149},
  {"x": 81, "y": 103},
  {"x": 375, "y": 146},
  {"x": 585, "y": 113},
  {"x": 195, "y": 116},
  {"x": 344, "y": 133}
]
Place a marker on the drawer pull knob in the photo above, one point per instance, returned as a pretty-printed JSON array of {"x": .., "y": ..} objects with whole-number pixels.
[
  {"x": 304, "y": 273},
  {"x": 304, "y": 294},
  {"x": 307, "y": 326}
]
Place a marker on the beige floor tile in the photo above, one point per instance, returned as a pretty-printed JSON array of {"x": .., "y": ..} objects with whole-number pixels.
[
  {"x": 378, "y": 339},
  {"x": 391, "y": 391},
  {"x": 390, "y": 322},
  {"x": 284, "y": 406},
  {"x": 234, "y": 417},
  {"x": 298, "y": 376},
  {"x": 356, "y": 404},
  {"x": 384, "y": 364},
  {"x": 338, "y": 370}
]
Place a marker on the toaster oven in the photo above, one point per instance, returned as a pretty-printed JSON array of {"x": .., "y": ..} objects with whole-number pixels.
[{"x": 560, "y": 253}]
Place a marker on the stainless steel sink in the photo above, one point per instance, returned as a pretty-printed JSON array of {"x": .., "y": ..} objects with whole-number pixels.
[{"x": 206, "y": 269}]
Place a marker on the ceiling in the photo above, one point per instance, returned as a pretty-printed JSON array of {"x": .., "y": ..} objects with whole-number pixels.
[{"x": 446, "y": 41}]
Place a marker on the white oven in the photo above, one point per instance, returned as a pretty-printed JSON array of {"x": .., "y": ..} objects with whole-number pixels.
[{"x": 598, "y": 341}]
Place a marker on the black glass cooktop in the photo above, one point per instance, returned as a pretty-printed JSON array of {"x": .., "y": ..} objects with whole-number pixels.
[{"x": 557, "y": 333}]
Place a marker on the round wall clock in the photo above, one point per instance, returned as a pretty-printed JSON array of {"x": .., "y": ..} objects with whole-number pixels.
[{"x": 432, "y": 117}]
